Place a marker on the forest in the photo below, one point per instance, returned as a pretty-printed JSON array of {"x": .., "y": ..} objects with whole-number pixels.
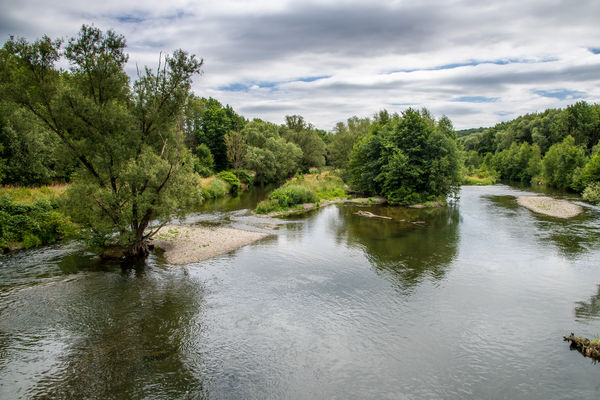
[{"x": 131, "y": 154}]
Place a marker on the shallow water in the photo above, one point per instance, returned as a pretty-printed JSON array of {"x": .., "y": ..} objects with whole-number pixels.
[{"x": 470, "y": 301}]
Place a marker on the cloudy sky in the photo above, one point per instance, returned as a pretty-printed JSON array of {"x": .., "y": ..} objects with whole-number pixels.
[{"x": 478, "y": 62}]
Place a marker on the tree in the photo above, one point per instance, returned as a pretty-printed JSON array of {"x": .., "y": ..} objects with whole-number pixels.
[
  {"x": 134, "y": 166},
  {"x": 343, "y": 140},
  {"x": 236, "y": 148},
  {"x": 208, "y": 122},
  {"x": 560, "y": 163},
  {"x": 408, "y": 159},
  {"x": 268, "y": 154},
  {"x": 306, "y": 137}
]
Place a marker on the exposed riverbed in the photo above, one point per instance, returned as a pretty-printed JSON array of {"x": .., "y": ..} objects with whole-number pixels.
[{"x": 471, "y": 302}]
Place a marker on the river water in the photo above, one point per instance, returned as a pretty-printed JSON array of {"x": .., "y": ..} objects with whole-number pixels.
[{"x": 466, "y": 302}]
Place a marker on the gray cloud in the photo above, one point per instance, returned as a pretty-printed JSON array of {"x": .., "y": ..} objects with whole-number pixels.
[{"x": 535, "y": 51}]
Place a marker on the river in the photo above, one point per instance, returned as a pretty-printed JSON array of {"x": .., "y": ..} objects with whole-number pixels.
[{"x": 466, "y": 302}]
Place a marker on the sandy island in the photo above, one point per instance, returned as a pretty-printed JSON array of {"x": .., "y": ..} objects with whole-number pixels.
[
  {"x": 549, "y": 206},
  {"x": 187, "y": 244}
]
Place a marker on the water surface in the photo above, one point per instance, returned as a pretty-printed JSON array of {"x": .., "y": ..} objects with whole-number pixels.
[{"x": 469, "y": 301}]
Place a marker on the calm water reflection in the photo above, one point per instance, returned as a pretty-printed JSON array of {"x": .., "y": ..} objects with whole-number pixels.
[{"x": 470, "y": 302}]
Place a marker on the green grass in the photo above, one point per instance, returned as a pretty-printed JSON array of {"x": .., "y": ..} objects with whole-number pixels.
[
  {"x": 26, "y": 195},
  {"x": 476, "y": 180},
  {"x": 308, "y": 188}
]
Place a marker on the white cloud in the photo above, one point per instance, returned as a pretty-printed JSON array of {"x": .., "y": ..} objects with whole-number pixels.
[{"x": 525, "y": 55}]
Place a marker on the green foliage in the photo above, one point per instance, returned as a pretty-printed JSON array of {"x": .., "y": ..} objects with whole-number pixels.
[
  {"x": 560, "y": 163},
  {"x": 518, "y": 163},
  {"x": 134, "y": 165},
  {"x": 203, "y": 161},
  {"x": 208, "y": 122},
  {"x": 589, "y": 173},
  {"x": 244, "y": 176},
  {"x": 215, "y": 188},
  {"x": 30, "y": 225},
  {"x": 290, "y": 195},
  {"x": 286, "y": 197},
  {"x": 408, "y": 159},
  {"x": 232, "y": 180},
  {"x": 235, "y": 143},
  {"x": 476, "y": 180},
  {"x": 29, "y": 153},
  {"x": 306, "y": 137},
  {"x": 268, "y": 154},
  {"x": 592, "y": 193},
  {"x": 342, "y": 142}
]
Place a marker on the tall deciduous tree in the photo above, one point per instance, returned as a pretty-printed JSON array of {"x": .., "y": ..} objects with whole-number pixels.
[{"x": 134, "y": 166}]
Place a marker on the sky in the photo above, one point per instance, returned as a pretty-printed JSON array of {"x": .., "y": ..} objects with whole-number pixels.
[{"x": 478, "y": 62}]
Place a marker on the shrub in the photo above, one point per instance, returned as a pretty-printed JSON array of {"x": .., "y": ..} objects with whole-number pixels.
[
  {"x": 592, "y": 193},
  {"x": 267, "y": 206},
  {"x": 213, "y": 188},
  {"x": 29, "y": 225},
  {"x": 290, "y": 195},
  {"x": 232, "y": 180},
  {"x": 244, "y": 176}
]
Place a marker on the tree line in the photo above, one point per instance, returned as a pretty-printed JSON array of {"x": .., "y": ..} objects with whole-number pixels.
[
  {"x": 135, "y": 150},
  {"x": 558, "y": 147}
]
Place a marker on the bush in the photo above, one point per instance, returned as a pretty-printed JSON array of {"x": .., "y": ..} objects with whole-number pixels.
[
  {"x": 592, "y": 193},
  {"x": 244, "y": 176},
  {"x": 286, "y": 197},
  {"x": 29, "y": 225},
  {"x": 267, "y": 206},
  {"x": 232, "y": 180},
  {"x": 290, "y": 195},
  {"x": 213, "y": 188}
]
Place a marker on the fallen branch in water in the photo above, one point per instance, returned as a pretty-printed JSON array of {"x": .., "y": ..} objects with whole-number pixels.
[
  {"x": 585, "y": 346},
  {"x": 370, "y": 215}
]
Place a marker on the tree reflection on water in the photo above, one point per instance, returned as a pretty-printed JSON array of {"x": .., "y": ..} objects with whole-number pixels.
[{"x": 413, "y": 245}]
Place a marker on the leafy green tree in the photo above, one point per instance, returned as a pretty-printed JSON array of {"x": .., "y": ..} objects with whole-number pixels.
[
  {"x": 306, "y": 137},
  {"x": 408, "y": 159},
  {"x": 236, "y": 148},
  {"x": 584, "y": 123},
  {"x": 204, "y": 163},
  {"x": 560, "y": 163},
  {"x": 590, "y": 172},
  {"x": 33, "y": 155},
  {"x": 344, "y": 138},
  {"x": 208, "y": 122},
  {"x": 268, "y": 154},
  {"x": 134, "y": 165}
]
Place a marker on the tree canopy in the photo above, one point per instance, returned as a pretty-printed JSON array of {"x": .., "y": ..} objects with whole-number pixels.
[
  {"x": 134, "y": 167},
  {"x": 409, "y": 158}
]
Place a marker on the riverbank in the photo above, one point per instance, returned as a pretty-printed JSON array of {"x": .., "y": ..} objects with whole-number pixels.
[
  {"x": 549, "y": 206},
  {"x": 306, "y": 207},
  {"x": 188, "y": 244}
]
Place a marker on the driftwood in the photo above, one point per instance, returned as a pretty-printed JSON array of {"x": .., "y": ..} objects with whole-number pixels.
[
  {"x": 370, "y": 215},
  {"x": 585, "y": 346}
]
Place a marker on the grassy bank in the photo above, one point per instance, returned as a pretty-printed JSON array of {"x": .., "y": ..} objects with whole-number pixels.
[
  {"x": 478, "y": 180},
  {"x": 32, "y": 217},
  {"x": 312, "y": 188}
]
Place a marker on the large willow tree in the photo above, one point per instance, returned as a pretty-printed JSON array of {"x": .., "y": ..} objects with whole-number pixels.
[{"x": 134, "y": 167}]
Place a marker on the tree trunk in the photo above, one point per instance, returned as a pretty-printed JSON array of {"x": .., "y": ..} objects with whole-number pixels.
[{"x": 139, "y": 248}]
